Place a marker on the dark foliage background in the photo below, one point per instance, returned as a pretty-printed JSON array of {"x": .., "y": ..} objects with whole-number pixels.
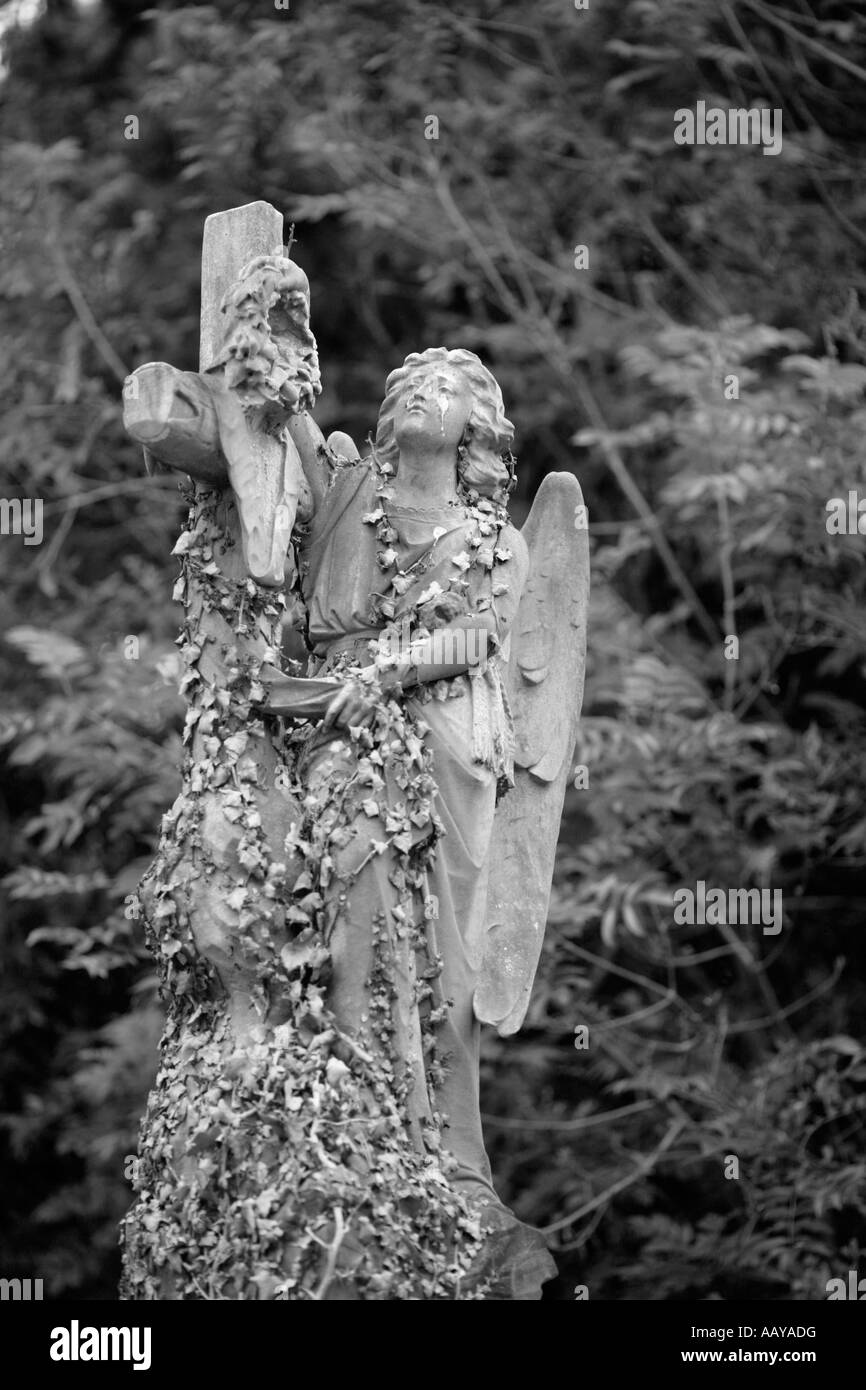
[{"x": 708, "y": 519}]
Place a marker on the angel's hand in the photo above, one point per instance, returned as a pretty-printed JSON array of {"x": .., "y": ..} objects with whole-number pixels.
[
  {"x": 354, "y": 704},
  {"x": 343, "y": 446},
  {"x": 442, "y": 609}
]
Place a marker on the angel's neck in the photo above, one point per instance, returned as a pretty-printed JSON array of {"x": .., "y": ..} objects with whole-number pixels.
[{"x": 426, "y": 476}]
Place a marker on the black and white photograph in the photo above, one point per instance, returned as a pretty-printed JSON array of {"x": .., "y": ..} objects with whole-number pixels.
[{"x": 433, "y": 669}]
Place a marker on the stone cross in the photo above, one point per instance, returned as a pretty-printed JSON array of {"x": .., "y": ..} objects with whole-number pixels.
[
  {"x": 280, "y": 1156},
  {"x": 172, "y": 413}
]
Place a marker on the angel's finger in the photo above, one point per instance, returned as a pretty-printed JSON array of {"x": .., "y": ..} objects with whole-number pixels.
[
  {"x": 352, "y": 712},
  {"x": 334, "y": 708}
]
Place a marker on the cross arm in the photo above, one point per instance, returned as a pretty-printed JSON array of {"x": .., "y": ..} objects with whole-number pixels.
[{"x": 172, "y": 414}]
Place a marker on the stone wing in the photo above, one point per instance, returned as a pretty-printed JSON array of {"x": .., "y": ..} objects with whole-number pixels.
[{"x": 545, "y": 687}]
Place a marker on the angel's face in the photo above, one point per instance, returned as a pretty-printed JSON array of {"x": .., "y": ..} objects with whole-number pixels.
[{"x": 435, "y": 408}]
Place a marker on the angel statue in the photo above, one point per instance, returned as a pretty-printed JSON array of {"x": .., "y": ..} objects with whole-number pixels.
[{"x": 315, "y": 1130}]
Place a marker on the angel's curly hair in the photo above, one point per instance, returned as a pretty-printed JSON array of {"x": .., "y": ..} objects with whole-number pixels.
[{"x": 484, "y": 461}]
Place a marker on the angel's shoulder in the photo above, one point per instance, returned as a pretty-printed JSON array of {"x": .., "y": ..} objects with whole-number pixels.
[{"x": 515, "y": 541}]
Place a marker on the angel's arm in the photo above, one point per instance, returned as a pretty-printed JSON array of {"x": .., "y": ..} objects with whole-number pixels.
[
  {"x": 317, "y": 454},
  {"x": 473, "y": 633},
  {"x": 452, "y": 650},
  {"x": 491, "y": 623}
]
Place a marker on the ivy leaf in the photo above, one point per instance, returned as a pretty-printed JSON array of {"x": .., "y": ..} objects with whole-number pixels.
[
  {"x": 300, "y": 955},
  {"x": 336, "y": 1071},
  {"x": 432, "y": 591},
  {"x": 235, "y": 745},
  {"x": 183, "y": 543}
]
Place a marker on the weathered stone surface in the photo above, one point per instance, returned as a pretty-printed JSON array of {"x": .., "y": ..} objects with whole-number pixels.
[
  {"x": 339, "y": 894},
  {"x": 545, "y": 686},
  {"x": 231, "y": 240}
]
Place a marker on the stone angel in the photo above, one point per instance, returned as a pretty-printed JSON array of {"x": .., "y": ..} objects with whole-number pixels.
[{"x": 357, "y": 872}]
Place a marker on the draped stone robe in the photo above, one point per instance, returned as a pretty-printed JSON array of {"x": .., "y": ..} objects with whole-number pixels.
[{"x": 465, "y": 723}]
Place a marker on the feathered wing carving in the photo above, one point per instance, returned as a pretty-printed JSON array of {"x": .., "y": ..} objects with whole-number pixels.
[{"x": 545, "y": 687}]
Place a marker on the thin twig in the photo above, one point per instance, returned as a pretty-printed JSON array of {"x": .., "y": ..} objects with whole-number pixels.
[
  {"x": 556, "y": 352},
  {"x": 583, "y": 1122},
  {"x": 729, "y": 609},
  {"x": 98, "y": 494},
  {"x": 749, "y": 1025},
  {"x": 836, "y": 58},
  {"x": 333, "y": 1252},
  {"x": 644, "y": 1168},
  {"x": 713, "y": 301},
  {"x": 79, "y": 303},
  {"x": 617, "y": 465},
  {"x": 734, "y": 24}
]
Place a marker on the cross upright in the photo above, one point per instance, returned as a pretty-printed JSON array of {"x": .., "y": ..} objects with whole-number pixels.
[{"x": 194, "y": 422}]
